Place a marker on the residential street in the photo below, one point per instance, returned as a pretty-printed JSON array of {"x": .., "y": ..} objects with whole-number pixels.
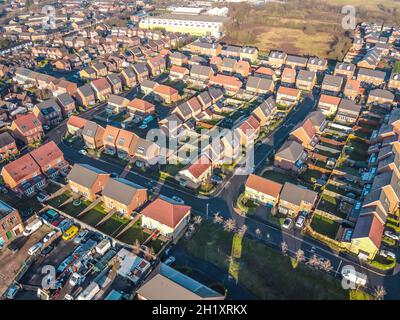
[{"x": 223, "y": 199}]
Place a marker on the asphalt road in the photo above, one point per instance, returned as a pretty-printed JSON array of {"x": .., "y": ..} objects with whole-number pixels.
[{"x": 223, "y": 199}]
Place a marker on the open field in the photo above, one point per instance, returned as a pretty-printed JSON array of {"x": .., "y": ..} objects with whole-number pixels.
[
  {"x": 263, "y": 271},
  {"x": 293, "y": 40}
]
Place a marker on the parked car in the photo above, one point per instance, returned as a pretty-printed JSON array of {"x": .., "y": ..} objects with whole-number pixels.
[
  {"x": 287, "y": 224},
  {"x": 42, "y": 197},
  {"x": 46, "y": 251},
  {"x": 178, "y": 200},
  {"x": 82, "y": 151},
  {"x": 79, "y": 238},
  {"x": 143, "y": 126},
  {"x": 76, "y": 279},
  {"x": 65, "y": 225},
  {"x": 300, "y": 221},
  {"x": 48, "y": 236},
  {"x": 392, "y": 235},
  {"x": 170, "y": 261},
  {"x": 35, "y": 248},
  {"x": 387, "y": 254},
  {"x": 70, "y": 233},
  {"x": 12, "y": 291},
  {"x": 216, "y": 179}
]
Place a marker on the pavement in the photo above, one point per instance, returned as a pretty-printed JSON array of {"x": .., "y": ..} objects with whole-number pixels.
[{"x": 223, "y": 199}]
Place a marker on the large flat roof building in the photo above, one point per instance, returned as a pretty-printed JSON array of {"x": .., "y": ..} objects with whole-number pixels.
[{"x": 193, "y": 24}]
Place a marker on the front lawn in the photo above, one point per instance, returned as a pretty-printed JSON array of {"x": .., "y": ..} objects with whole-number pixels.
[
  {"x": 324, "y": 226},
  {"x": 262, "y": 270}
]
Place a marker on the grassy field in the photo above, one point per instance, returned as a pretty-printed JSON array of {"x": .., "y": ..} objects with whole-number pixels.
[
  {"x": 263, "y": 271},
  {"x": 293, "y": 40}
]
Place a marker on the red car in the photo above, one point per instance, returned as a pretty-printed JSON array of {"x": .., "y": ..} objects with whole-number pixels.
[{"x": 57, "y": 221}]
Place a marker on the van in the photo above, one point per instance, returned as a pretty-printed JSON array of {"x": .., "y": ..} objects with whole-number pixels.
[
  {"x": 32, "y": 227},
  {"x": 103, "y": 246}
]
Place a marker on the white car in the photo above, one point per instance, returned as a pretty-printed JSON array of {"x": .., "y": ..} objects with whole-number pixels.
[
  {"x": 387, "y": 253},
  {"x": 83, "y": 151},
  {"x": 300, "y": 221},
  {"x": 49, "y": 236},
  {"x": 392, "y": 235},
  {"x": 35, "y": 248},
  {"x": 287, "y": 224},
  {"x": 81, "y": 235},
  {"x": 76, "y": 279},
  {"x": 178, "y": 200}
]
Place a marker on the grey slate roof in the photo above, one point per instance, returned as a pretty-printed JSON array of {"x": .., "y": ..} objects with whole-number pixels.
[
  {"x": 84, "y": 174},
  {"x": 296, "y": 194},
  {"x": 120, "y": 190}
]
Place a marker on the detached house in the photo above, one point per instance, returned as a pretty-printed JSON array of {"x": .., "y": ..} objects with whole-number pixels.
[
  {"x": 316, "y": 64},
  {"x": 166, "y": 93},
  {"x": 287, "y": 96},
  {"x": 85, "y": 96},
  {"x": 394, "y": 81},
  {"x": 116, "y": 83},
  {"x": 291, "y": 156},
  {"x": 48, "y": 112},
  {"x": 27, "y": 128},
  {"x": 348, "y": 112},
  {"x": 194, "y": 174},
  {"x": 277, "y": 59},
  {"x": 288, "y": 76},
  {"x": 178, "y": 59},
  {"x": 230, "y": 84},
  {"x": 201, "y": 73},
  {"x": 67, "y": 104},
  {"x": 116, "y": 104},
  {"x": 332, "y": 84},
  {"x": 87, "y": 181},
  {"x": 75, "y": 125},
  {"x": 248, "y": 130},
  {"x": 102, "y": 89},
  {"x": 142, "y": 73},
  {"x": 306, "y": 80},
  {"x": 140, "y": 108},
  {"x": 7, "y": 146},
  {"x": 296, "y": 62},
  {"x": 352, "y": 89},
  {"x": 157, "y": 65},
  {"x": 177, "y": 72},
  {"x": 295, "y": 198},
  {"x": 307, "y": 131},
  {"x": 265, "y": 111},
  {"x": 328, "y": 105},
  {"x": 128, "y": 77},
  {"x": 123, "y": 196},
  {"x": 344, "y": 69},
  {"x": 263, "y": 191},
  {"x": 168, "y": 218},
  {"x": 92, "y": 135}
]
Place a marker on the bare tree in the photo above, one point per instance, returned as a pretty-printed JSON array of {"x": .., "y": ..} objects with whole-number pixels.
[
  {"x": 314, "y": 262},
  {"x": 379, "y": 293},
  {"x": 284, "y": 248},
  {"x": 326, "y": 265},
  {"x": 258, "y": 233},
  {"x": 229, "y": 225},
  {"x": 218, "y": 218},
  {"x": 300, "y": 256},
  {"x": 243, "y": 230},
  {"x": 136, "y": 247},
  {"x": 197, "y": 220},
  {"x": 149, "y": 253}
]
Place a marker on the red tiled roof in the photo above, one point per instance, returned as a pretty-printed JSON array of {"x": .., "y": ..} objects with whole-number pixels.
[
  {"x": 165, "y": 212},
  {"x": 324, "y": 98},
  {"x": 141, "y": 105},
  {"x": 265, "y": 70},
  {"x": 46, "y": 153},
  {"x": 263, "y": 185},
  {"x": 22, "y": 167},
  {"x": 110, "y": 134},
  {"x": 288, "y": 91},
  {"x": 27, "y": 122},
  {"x": 178, "y": 69},
  {"x": 166, "y": 90},
  {"x": 223, "y": 80},
  {"x": 77, "y": 122},
  {"x": 201, "y": 165},
  {"x": 101, "y": 84}
]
